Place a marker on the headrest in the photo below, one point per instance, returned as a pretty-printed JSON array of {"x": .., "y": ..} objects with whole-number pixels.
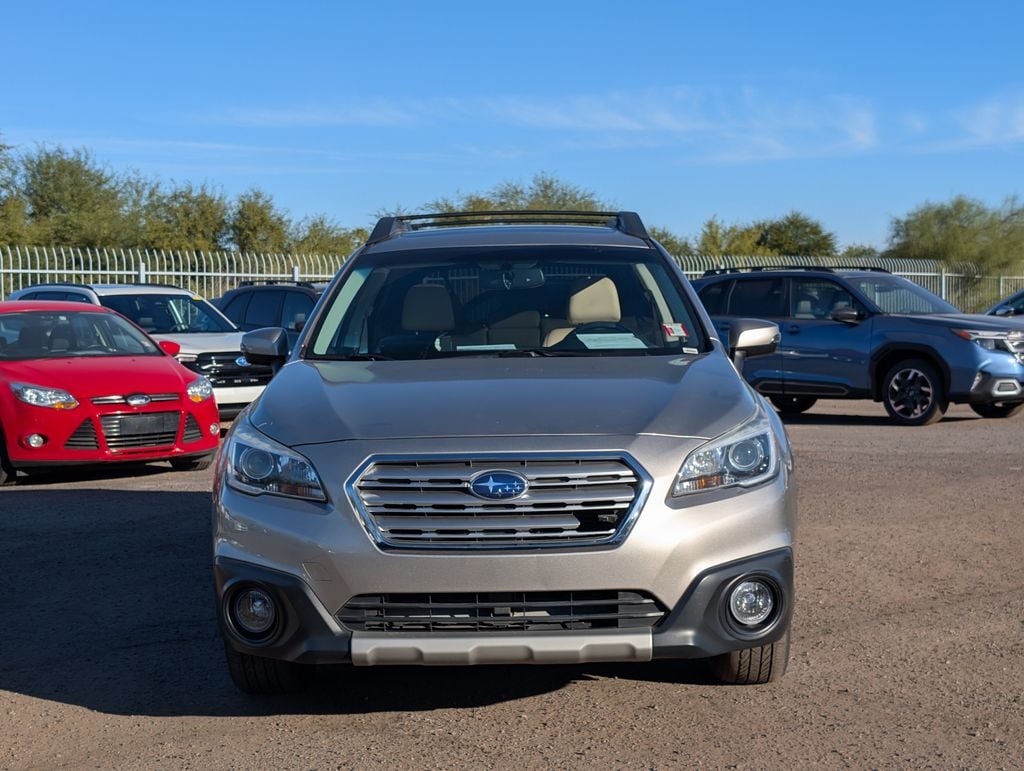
[
  {"x": 428, "y": 308},
  {"x": 593, "y": 301},
  {"x": 523, "y": 319}
]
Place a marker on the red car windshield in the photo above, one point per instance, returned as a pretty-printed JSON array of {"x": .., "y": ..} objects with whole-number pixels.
[{"x": 62, "y": 334}]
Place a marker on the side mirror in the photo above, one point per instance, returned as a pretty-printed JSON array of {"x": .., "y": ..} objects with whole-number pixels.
[
  {"x": 299, "y": 322},
  {"x": 845, "y": 314},
  {"x": 267, "y": 346},
  {"x": 1003, "y": 310},
  {"x": 169, "y": 347},
  {"x": 752, "y": 337}
]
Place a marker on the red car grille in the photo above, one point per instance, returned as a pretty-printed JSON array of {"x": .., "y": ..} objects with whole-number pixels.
[
  {"x": 84, "y": 437},
  {"x": 135, "y": 431}
]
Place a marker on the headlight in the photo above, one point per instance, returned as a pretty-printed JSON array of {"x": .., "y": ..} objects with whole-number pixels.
[
  {"x": 1006, "y": 341},
  {"x": 746, "y": 456},
  {"x": 257, "y": 465},
  {"x": 199, "y": 390},
  {"x": 41, "y": 396}
]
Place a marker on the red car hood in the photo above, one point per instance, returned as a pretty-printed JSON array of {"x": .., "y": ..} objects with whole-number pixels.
[{"x": 88, "y": 376}]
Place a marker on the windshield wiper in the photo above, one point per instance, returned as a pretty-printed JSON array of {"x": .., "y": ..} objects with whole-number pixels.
[{"x": 363, "y": 357}]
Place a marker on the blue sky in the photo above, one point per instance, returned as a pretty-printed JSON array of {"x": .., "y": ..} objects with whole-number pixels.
[{"x": 850, "y": 112}]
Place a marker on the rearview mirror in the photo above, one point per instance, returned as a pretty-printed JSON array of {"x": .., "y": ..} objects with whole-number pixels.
[
  {"x": 752, "y": 337},
  {"x": 1003, "y": 310},
  {"x": 267, "y": 346},
  {"x": 846, "y": 315},
  {"x": 170, "y": 347}
]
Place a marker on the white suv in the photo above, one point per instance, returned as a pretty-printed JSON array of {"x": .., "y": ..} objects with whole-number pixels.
[{"x": 210, "y": 343}]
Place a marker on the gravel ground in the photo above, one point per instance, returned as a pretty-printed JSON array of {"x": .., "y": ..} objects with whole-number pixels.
[{"x": 907, "y": 640}]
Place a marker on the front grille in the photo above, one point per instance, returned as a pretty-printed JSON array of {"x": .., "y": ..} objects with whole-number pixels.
[
  {"x": 224, "y": 371},
  {"x": 501, "y": 612},
  {"x": 118, "y": 399},
  {"x": 84, "y": 437},
  {"x": 429, "y": 503},
  {"x": 139, "y": 430},
  {"x": 192, "y": 432}
]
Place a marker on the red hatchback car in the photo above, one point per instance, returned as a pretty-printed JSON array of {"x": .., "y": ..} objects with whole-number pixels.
[{"x": 81, "y": 384}]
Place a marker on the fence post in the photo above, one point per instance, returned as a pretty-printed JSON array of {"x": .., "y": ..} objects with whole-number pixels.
[
  {"x": 1002, "y": 284},
  {"x": 141, "y": 275},
  {"x": 943, "y": 283},
  {"x": 295, "y": 274}
]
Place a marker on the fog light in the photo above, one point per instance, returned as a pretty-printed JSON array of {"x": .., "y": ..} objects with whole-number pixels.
[
  {"x": 751, "y": 602},
  {"x": 35, "y": 440},
  {"x": 254, "y": 612},
  {"x": 215, "y": 429}
]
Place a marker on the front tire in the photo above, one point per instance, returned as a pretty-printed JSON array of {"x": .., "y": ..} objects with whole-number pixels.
[
  {"x": 913, "y": 393},
  {"x": 793, "y": 405},
  {"x": 753, "y": 666},
  {"x": 7, "y": 472},
  {"x": 260, "y": 676},
  {"x": 998, "y": 410}
]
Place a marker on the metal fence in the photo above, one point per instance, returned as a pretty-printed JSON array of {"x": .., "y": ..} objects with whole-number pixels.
[{"x": 211, "y": 274}]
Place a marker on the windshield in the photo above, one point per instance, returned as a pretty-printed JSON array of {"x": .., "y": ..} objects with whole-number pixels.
[
  {"x": 62, "y": 334},
  {"x": 541, "y": 301},
  {"x": 162, "y": 314},
  {"x": 893, "y": 294}
]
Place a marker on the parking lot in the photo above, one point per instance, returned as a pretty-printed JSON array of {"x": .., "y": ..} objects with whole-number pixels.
[{"x": 907, "y": 643}]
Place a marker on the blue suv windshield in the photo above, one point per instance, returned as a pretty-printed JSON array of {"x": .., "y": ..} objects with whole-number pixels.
[{"x": 893, "y": 294}]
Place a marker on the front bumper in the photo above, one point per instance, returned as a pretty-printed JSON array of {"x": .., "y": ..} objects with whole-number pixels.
[{"x": 696, "y": 627}]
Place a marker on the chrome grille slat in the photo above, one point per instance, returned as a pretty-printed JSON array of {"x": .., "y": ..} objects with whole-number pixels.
[
  {"x": 119, "y": 399},
  {"x": 428, "y": 503}
]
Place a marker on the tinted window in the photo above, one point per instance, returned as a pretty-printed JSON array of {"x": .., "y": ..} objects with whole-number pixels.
[
  {"x": 235, "y": 309},
  {"x": 294, "y": 304},
  {"x": 49, "y": 335},
  {"x": 264, "y": 310},
  {"x": 758, "y": 297},
  {"x": 713, "y": 296},
  {"x": 894, "y": 294},
  {"x": 168, "y": 313},
  {"x": 816, "y": 298}
]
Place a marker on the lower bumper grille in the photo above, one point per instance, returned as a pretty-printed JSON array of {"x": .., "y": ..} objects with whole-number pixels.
[
  {"x": 136, "y": 431},
  {"x": 84, "y": 437},
  {"x": 192, "y": 432},
  {"x": 501, "y": 612}
]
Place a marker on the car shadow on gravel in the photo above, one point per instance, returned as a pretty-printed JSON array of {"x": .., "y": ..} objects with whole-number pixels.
[{"x": 107, "y": 603}]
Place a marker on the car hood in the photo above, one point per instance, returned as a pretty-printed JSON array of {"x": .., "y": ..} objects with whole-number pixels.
[
  {"x": 204, "y": 342},
  {"x": 88, "y": 376},
  {"x": 968, "y": 321},
  {"x": 311, "y": 402}
]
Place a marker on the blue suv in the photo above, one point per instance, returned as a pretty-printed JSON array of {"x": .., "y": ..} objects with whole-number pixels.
[{"x": 866, "y": 334}]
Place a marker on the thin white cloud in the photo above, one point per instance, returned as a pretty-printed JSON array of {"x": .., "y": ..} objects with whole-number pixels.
[{"x": 998, "y": 120}]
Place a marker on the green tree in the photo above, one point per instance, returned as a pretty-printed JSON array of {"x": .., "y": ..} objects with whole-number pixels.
[
  {"x": 321, "y": 235},
  {"x": 798, "y": 234},
  {"x": 69, "y": 198},
  {"x": 544, "y": 191},
  {"x": 674, "y": 244},
  {"x": 187, "y": 216},
  {"x": 963, "y": 233},
  {"x": 257, "y": 225},
  {"x": 859, "y": 251},
  {"x": 719, "y": 239}
]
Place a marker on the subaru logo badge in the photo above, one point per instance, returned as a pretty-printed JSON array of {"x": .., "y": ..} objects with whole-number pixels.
[
  {"x": 498, "y": 485},
  {"x": 138, "y": 400},
  {"x": 241, "y": 361}
]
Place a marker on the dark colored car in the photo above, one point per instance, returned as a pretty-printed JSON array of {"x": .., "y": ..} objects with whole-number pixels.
[
  {"x": 866, "y": 334},
  {"x": 254, "y": 305},
  {"x": 1011, "y": 306}
]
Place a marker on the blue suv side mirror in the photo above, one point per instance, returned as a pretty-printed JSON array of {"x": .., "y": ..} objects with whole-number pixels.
[{"x": 846, "y": 315}]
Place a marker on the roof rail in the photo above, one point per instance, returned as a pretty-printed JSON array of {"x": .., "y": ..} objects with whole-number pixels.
[
  {"x": 759, "y": 268},
  {"x": 627, "y": 222},
  {"x": 275, "y": 282}
]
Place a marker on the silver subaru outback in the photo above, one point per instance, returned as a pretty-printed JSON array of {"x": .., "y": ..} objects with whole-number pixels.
[{"x": 505, "y": 437}]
